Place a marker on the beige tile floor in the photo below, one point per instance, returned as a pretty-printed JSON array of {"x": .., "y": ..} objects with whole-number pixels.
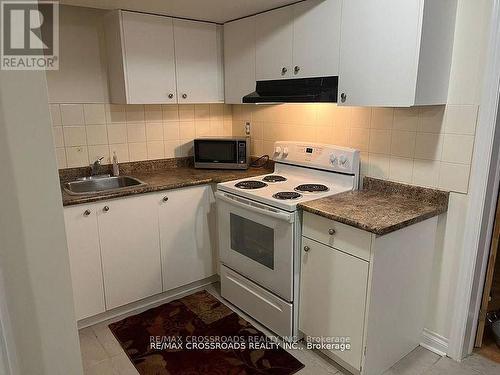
[{"x": 102, "y": 355}]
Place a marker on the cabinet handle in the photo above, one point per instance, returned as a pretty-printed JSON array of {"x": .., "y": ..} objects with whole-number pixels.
[
  {"x": 165, "y": 199},
  {"x": 283, "y": 71},
  {"x": 331, "y": 231},
  {"x": 343, "y": 97},
  {"x": 306, "y": 248},
  {"x": 86, "y": 213},
  {"x": 296, "y": 69},
  {"x": 184, "y": 96},
  {"x": 170, "y": 96},
  {"x": 105, "y": 209}
]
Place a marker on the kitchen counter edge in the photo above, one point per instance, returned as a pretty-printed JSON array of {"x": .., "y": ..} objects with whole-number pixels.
[
  {"x": 381, "y": 207},
  {"x": 163, "y": 180}
]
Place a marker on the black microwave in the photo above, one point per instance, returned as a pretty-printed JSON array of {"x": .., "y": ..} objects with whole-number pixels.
[{"x": 222, "y": 152}]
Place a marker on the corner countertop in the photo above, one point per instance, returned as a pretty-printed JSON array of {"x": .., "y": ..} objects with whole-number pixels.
[
  {"x": 158, "y": 177},
  {"x": 381, "y": 207}
]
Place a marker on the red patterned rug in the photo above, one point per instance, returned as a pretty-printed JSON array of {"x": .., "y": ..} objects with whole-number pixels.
[{"x": 198, "y": 334}]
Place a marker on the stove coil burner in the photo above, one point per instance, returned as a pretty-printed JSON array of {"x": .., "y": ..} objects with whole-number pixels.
[
  {"x": 251, "y": 184},
  {"x": 284, "y": 195},
  {"x": 312, "y": 188},
  {"x": 274, "y": 178}
]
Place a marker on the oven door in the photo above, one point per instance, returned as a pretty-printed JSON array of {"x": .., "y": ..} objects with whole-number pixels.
[{"x": 256, "y": 241}]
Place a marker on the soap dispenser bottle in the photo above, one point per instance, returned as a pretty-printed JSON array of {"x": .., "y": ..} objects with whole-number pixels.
[{"x": 116, "y": 169}]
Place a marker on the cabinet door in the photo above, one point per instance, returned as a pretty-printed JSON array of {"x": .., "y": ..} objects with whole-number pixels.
[
  {"x": 316, "y": 38},
  {"x": 239, "y": 59},
  {"x": 333, "y": 289},
  {"x": 274, "y": 39},
  {"x": 128, "y": 231},
  {"x": 198, "y": 59},
  {"x": 85, "y": 260},
  {"x": 380, "y": 43},
  {"x": 148, "y": 43},
  {"x": 186, "y": 235}
]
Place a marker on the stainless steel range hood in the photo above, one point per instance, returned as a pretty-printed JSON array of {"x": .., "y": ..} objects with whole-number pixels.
[{"x": 300, "y": 90}]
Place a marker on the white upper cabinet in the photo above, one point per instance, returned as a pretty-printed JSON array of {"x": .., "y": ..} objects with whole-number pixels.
[
  {"x": 396, "y": 53},
  {"x": 274, "y": 41},
  {"x": 198, "y": 57},
  {"x": 157, "y": 59},
  {"x": 151, "y": 80},
  {"x": 316, "y": 38},
  {"x": 145, "y": 52},
  {"x": 298, "y": 41},
  {"x": 239, "y": 59}
]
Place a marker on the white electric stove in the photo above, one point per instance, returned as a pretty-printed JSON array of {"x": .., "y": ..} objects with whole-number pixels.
[{"x": 260, "y": 228}]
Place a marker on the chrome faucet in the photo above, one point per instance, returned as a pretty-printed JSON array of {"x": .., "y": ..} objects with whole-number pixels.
[{"x": 95, "y": 167}]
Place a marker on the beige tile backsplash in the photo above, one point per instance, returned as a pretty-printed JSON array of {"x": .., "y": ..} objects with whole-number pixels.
[
  {"x": 428, "y": 146},
  {"x": 85, "y": 132}
]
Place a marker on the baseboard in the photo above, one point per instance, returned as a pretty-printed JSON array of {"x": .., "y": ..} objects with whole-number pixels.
[
  {"x": 147, "y": 303},
  {"x": 434, "y": 342}
]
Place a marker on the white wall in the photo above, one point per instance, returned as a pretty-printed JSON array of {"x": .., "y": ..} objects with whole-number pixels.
[
  {"x": 8, "y": 360},
  {"x": 471, "y": 33},
  {"x": 82, "y": 74},
  {"x": 33, "y": 253}
]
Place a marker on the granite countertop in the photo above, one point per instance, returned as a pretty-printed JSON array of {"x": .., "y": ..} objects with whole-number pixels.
[
  {"x": 158, "y": 176},
  {"x": 381, "y": 207}
]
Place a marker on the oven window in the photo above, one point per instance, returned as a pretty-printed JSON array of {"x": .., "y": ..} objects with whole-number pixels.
[
  {"x": 253, "y": 240},
  {"x": 215, "y": 151}
]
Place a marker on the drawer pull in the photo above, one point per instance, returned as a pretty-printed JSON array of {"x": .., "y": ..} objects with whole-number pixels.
[
  {"x": 306, "y": 248},
  {"x": 86, "y": 213},
  {"x": 331, "y": 231},
  {"x": 106, "y": 208}
]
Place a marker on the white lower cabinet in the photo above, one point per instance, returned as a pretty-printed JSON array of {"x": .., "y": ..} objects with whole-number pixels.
[
  {"x": 186, "y": 243},
  {"x": 127, "y": 249},
  {"x": 340, "y": 277},
  {"x": 130, "y": 249},
  {"x": 82, "y": 235},
  {"x": 372, "y": 289}
]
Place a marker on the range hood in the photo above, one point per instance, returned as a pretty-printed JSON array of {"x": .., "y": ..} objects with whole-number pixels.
[{"x": 300, "y": 90}]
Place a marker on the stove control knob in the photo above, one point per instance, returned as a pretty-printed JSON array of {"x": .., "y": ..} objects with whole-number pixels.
[
  {"x": 277, "y": 150},
  {"x": 333, "y": 159},
  {"x": 285, "y": 152},
  {"x": 343, "y": 161}
]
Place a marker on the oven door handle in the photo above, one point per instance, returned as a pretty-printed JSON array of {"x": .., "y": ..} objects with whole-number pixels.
[{"x": 290, "y": 218}]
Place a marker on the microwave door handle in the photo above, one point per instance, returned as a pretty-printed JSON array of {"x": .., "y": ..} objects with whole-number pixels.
[{"x": 277, "y": 215}]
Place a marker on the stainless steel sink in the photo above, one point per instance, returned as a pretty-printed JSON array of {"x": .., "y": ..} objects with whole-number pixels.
[{"x": 92, "y": 185}]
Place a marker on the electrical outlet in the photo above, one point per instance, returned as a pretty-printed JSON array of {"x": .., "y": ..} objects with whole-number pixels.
[{"x": 247, "y": 128}]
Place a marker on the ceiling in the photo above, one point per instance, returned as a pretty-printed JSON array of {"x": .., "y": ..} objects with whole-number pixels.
[{"x": 219, "y": 11}]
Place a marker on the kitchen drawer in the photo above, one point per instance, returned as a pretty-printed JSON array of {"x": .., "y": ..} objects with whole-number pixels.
[
  {"x": 257, "y": 302},
  {"x": 351, "y": 240}
]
